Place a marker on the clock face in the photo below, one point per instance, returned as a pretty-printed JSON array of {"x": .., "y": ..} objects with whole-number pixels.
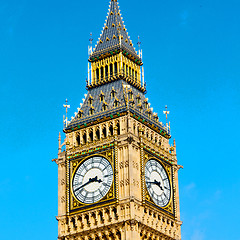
[
  {"x": 157, "y": 183},
  {"x": 92, "y": 180}
]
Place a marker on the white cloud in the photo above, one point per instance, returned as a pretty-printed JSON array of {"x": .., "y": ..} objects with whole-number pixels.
[
  {"x": 190, "y": 187},
  {"x": 197, "y": 235}
]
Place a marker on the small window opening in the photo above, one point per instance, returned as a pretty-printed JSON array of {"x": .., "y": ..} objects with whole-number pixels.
[
  {"x": 91, "y": 136},
  {"x": 111, "y": 69},
  {"x": 97, "y": 73},
  {"x": 130, "y": 95},
  {"x": 113, "y": 93},
  {"x": 116, "y": 103},
  {"x": 91, "y": 111},
  {"x": 111, "y": 130},
  {"x": 118, "y": 128},
  {"x": 101, "y": 73},
  {"x": 115, "y": 68},
  {"x": 80, "y": 114},
  {"x": 98, "y": 134},
  {"x": 78, "y": 140},
  {"x": 74, "y": 222},
  {"x": 101, "y": 97},
  {"x": 84, "y": 138},
  {"x": 104, "y": 107},
  {"x": 104, "y": 131},
  {"x": 106, "y": 71}
]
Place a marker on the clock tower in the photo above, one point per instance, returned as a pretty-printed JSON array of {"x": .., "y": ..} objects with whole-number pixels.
[{"x": 117, "y": 172}]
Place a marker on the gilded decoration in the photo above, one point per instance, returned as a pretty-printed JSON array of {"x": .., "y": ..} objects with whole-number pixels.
[
  {"x": 115, "y": 127},
  {"x": 110, "y": 197},
  {"x": 169, "y": 208}
]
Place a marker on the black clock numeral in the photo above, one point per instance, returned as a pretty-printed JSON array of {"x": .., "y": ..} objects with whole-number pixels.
[
  {"x": 86, "y": 196},
  {"x": 78, "y": 174},
  {"x": 165, "y": 194},
  {"x": 105, "y": 184},
  {"x": 108, "y": 175},
  {"x": 100, "y": 193},
  {"x": 79, "y": 192}
]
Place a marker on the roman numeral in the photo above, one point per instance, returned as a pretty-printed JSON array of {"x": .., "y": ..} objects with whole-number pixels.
[
  {"x": 105, "y": 184},
  {"x": 108, "y": 175}
]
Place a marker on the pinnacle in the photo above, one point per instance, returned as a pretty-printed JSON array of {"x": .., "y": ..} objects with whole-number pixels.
[{"x": 114, "y": 35}]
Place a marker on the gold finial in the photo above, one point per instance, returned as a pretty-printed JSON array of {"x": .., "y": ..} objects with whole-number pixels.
[
  {"x": 139, "y": 48},
  {"x": 166, "y": 113},
  {"x": 66, "y": 106},
  {"x": 90, "y": 45}
]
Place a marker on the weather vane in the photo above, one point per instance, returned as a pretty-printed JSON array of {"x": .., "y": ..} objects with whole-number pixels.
[{"x": 66, "y": 106}]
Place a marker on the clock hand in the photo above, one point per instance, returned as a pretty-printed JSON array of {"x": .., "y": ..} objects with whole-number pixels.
[
  {"x": 89, "y": 181},
  {"x": 151, "y": 182},
  {"x": 156, "y": 183},
  {"x": 95, "y": 179}
]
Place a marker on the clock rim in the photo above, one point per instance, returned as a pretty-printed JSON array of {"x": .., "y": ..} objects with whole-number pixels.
[
  {"x": 76, "y": 168},
  {"x": 169, "y": 180}
]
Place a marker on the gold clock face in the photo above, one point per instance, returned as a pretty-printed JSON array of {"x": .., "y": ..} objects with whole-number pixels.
[
  {"x": 157, "y": 183},
  {"x": 92, "y": 180}
]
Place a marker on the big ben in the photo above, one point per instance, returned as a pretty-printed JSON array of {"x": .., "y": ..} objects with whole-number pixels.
[{"x": 118, "y": 173}]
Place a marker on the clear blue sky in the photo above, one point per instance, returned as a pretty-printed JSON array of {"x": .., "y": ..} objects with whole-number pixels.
[{"x": 191, "y": 54}]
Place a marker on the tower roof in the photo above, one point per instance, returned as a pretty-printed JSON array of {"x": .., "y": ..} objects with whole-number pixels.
[
  {"x": 114, "y": 36},
  {"x": 128, "y": 98}
]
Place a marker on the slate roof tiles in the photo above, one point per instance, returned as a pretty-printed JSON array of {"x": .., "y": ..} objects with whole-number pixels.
[{"x": 114, "y": 35}]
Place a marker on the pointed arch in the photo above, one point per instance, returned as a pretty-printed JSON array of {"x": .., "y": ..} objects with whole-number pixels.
[
  {"x": 91, "y": 135},
  {"x": 78, "y": 139},
  {"x": 104, "y": 132},
  {"x": 111, "y": 129},
  {"x": 118, "y": 128},
  {"x": 84, "y": 137},
  {"x": 97, "y": 133}
]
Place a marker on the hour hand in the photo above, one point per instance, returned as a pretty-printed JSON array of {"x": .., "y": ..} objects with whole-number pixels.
[{"x": 95, "y": 179}]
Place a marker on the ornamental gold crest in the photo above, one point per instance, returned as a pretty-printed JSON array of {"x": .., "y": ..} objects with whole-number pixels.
[{"x": 158, "y": 183}]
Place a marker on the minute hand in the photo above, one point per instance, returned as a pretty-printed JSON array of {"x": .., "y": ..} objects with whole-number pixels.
[
  {"x": 89, "y": 181},
  {"x": 95, "y": 179},
  {"x": 156, "y": 183}
]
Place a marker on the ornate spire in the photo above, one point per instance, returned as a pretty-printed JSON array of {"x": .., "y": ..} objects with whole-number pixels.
[{"x": 114, "y": 37}]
